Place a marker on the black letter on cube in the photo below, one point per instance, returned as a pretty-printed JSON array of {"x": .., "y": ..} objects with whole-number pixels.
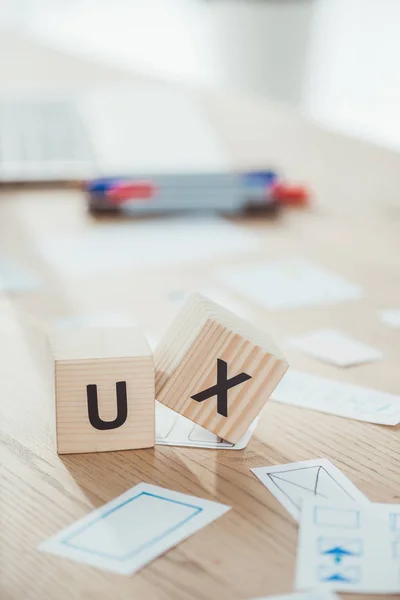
[
  {"x": 93, "y": 407},
  {"x": 221, "y": 388}
]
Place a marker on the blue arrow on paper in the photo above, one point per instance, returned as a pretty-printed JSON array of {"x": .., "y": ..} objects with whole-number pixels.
[
  {"x": 337, "y": 577},
  {"x": 338, "y": 553}
]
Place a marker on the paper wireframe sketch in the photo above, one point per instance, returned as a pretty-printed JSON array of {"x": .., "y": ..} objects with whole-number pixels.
[
  {"x": 288, "y": 284},
  {"x": 15, "y": 279},
  {"x": 391, "y": 317},
  {"x": 317, "y": 595},
  {"x": 173, "y": 429},
  {"x": 334, "y": 347},
  {"x": 349, "y": 548},
  {"x": 130, "y": 531},
  {"x": 336, "y": 398},
  {"x": 293, "y": 482},
  {"x": 157, "y": 243}
]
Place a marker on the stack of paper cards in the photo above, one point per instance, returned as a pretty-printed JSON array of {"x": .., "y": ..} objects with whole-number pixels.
[
  {"x": 132, "y": 530},
  {"x": 335, "y": 398},
  {"x": 346, "y": 543},
  {"x": 142, "y": 245},
  {"x": 391, "y": 318},
  {"x": 288, "y": 284},
  {"x": 14, "y": 279},
  {"x": 332, "y": 346},
  {"x": 294, "y": 482},
  {"x": 349, "y": 548},
  {"x": 173, "y": 429}
]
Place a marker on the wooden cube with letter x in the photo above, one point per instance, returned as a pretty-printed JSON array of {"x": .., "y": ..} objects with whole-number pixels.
[
  {"x": 104, "y": 388},
  {"x": 216, "y": 369}
]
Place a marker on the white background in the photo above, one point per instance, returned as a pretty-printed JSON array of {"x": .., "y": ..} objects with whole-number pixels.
[{"x": 335, "y": 60}]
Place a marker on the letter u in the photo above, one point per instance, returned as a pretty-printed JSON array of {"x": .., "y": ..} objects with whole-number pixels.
[{"x": 93, "y": 407}]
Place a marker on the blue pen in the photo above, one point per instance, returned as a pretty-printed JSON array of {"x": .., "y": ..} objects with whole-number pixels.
[{"x": 102, "y": 185}]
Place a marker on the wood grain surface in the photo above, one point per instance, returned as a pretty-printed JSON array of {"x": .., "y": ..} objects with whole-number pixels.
[
  {"x": 352, "y": 228},
  {"x": 186, "y": 363},
  {"x": 103, "y": 357}
]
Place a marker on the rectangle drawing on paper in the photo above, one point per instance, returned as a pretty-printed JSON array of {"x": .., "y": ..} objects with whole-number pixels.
[
  {"x": 395, "y": 521},
  {"x": 173, "y": 429},
  {"x": 396, "y": 549},
  {"x": 337, "y": 517},
  {"x": 122, "y": 537},
  {"x": 133, "y": 529}
]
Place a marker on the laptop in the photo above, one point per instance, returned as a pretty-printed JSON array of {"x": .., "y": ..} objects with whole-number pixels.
[{"x": 126, "y": 130}]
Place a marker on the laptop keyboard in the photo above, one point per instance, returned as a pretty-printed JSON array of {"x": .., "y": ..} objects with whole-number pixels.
[{"x": 37, "y": 132}]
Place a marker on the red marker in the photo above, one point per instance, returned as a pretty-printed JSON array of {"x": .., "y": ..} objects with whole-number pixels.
[
  {"x": 293, "y": 195},
  {"x": 139, "y": 190}
]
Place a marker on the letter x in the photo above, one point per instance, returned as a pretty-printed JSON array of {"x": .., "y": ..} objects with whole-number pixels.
[{"x": 221, "y": 388}]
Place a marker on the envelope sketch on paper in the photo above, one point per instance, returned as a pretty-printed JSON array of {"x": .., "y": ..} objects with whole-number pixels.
[{"x": 293, "y": 482}]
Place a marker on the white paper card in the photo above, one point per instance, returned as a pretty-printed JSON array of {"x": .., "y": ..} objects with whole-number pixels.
[
  {"x": 336, "y": 398},
  {"x": 173, "y": 429},
  {"x": 288, "y": 284},
  {"x": 98, "y": 319},
  {"x": 105, "y": 319},
  {"x": 130, "y": 531},
  {"x": 14, "y": 279},
  {"x": 349, "y": 549},
  {"x": 332, "y": 346},
  {"x": 155, "y": 243},
  {"x": 154, "y": 128},
  {"x": 294, "y": 482},
  {"x": 317, "y": 595},
  {"x": 391, "y": 317},
  {"x": 214, "y": 294}
]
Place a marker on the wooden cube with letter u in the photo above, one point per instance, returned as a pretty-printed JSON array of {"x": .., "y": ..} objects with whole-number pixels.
[
  {"x": 216, "y": 369},
  {"x": 104, "y": 387}
]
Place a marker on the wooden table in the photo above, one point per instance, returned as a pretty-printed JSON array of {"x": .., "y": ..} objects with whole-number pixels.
[{"x": 352, "y": 228}]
